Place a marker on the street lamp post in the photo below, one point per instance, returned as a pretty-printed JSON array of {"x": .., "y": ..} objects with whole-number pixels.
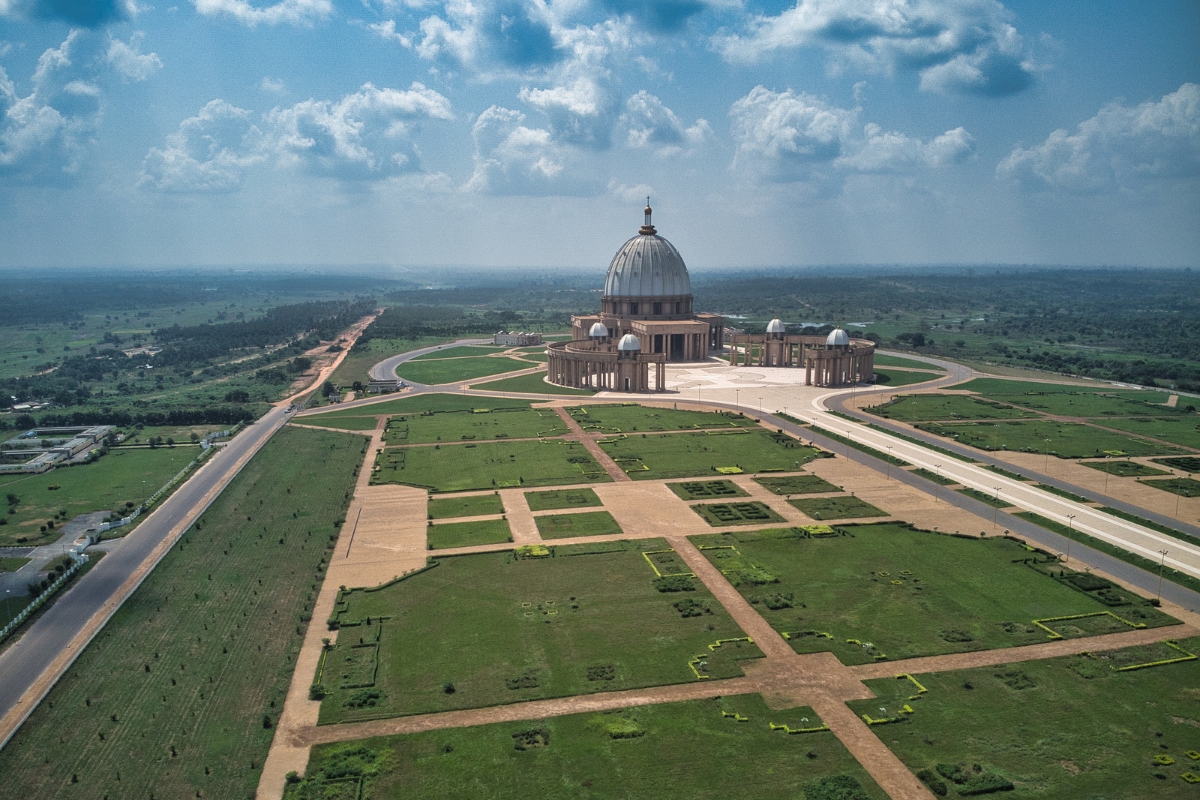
[
  {"x": 737, "y": 398},
  {"x": 1161, "y": 562},
  {"x": 1046, "y": 462},
  {"x": 1070, "y": 534},
  {"x": 996, "y": 510},
  {"x": 937, "y": 485},
  {"x": 889, "y": 462}
]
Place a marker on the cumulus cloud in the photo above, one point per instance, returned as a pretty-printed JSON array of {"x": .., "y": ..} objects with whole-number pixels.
[
  {"x": 366, "y": 135},
  {"x": 514, "y": 158},
  {"x": 966, "y": 46},
  {"x": 293, "y": 12},
  {"x": 787, "y": 137},
  {"x": 47, "y": 132},
  {"x": 649, "y": 123},
  {"x": 129, "y": 62},
  {"x": 580, "y": 114},
  {"x": 1121, "y": 147},
  {"x": 88, "y": 13},
  {"x": 658, "y": 15},
  {"x": 504, "y": 36}
]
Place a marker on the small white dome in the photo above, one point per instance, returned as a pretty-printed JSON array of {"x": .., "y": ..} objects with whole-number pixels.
[
  {"x": 598, "y": 331},
  {"x": 837, "y": 338},
  {"x": 629, "y": 343},
  {"x": 775, "y": 326}
]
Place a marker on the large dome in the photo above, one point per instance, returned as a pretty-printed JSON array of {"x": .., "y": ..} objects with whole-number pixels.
[{"x": 647, "y": 266}]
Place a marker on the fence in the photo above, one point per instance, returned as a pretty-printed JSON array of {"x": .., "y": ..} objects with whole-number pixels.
[{"x": 77, "y": 562}]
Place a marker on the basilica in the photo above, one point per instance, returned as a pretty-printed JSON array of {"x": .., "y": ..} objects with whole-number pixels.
[{"x": 646, "y": 321}]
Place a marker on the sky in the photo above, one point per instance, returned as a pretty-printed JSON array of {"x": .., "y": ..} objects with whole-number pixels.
[{"x": 528, "y": 133}]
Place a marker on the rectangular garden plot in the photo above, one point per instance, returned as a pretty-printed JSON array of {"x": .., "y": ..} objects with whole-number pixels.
[
  {"x": 719, "y": 515},
  {"x": 588, "y": 523},
  {"x": 488, "y": 465},
  {"x": 1062, "y": 439},
  {"x": 452, "y": 370},
  {"x": 930, "y": 407},
  {"x": 473, "y": 506},
  {"x": 1182, "y": 429},
  {"x": 707, "y": 490},
  {"x": 686, "y": 455},
  {"x": 562, "y": 498},
  {"x": 479, "y": 424},
  {"x": 635, "y": 418},
  {"x": 839, "y": 507},
  {"x": 887, "y": 591},
  {"x": 1123, "y": 468},
  {"x": 468, "y": 534},
  {"x": 1070, "y": 728},
  {"x": 731, "y": 748},
  {"x": 487, "y": 629},
  {"x": 796, "y": 484}
]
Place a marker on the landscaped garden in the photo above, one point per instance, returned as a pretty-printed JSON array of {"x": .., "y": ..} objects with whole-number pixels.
[
  {"x": 531, "y": 627},
  {"x": 1072, "y": 728},
  {"x": 453, "y": 370},
  {"x": 1062, "y": 439},
  {"x": 797, "y": 484},
  {"x": 488, "y": 465},
  {"x": 1181, "y": 429},
  {"x": 841, "y": 506},
  {"x": 715, "y": 749},
  {"x": 930, "y": 407},
  {"x": 628, "y": 418},
  {"x": 897, "y": 377},
  {"x": 1187, "y": 487},
  {"x": 1124, "y": 468},
  {"x": 588, "y": 523},
  {"x": 686, "y": 455},
  {"x": 468, "y": 534},
  {"x": 531, "y": 384},
  {"x": 707, "y": 490},
  {"x": 752, "y": 512},
  {"x": 471, "y": 506},
  {"x": 478, "y": 424},
  {"x": 179, "y": 694},
  {"x": 561, "y": 498},
  {"x": 884, "y": 590}
]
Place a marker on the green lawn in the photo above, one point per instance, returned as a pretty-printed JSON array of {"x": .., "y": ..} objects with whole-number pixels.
[
  {"x": 588, "y": 523},
  {"x": 1124, "y": 469},
  {"x": 896, "y": 377},
  {"x": 454, "y": 426},
  {"x": 686, "y": 455},
  {"x": 360, "y": 359},
  {"x": 718, "y": 515},
  {"x": 121, "y": 477},
  {"x": 707, "y": 490},
  {"x": 936, "y": 477},
  {"x": 896, "y": 361},
  {"x": 432, "y": 401},
  {"x": 489, "y": 465},
  {"x": 528, "y": 628},
  {"x": 1060, "y": 729},
  {"x": 713, "y": 749},
  {"x": 453, "y": 370},
  {"x": 460, "y": 351},
  {"x": 561, "y": 498},
  {"x": 1184, "y": 430},
  {"x": 992, "y": 499},
  {"x": 839, "y": 507},
  {"x": 340, "y": 422},
  {"x": 907, "y": 593},
  {"x": 1072, "y": 400},
  {"x": 928, "y": 407},
  {"x": 473, "y": 506},
  {"x": 1062, "y": 439},
  {"x": 1185, "y": 463},
  {"x": 629, "y": 418},
  {"x": 219, "y": 645},
  {"x": 1187, "y": 487},
  {"x": 12, "y": 564},
  {"x": 532, "y": 384},
  {"x": 796, "y": 484},
  {"x": 468, "y": 534}
]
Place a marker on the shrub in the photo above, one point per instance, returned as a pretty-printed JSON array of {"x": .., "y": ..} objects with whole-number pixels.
[
  {"x": 531, "y": 739},
  {"x": 601, "y": 672},
  {"x": 526, "y": 681},
  {"x": 364, "y": 698},
  {"x": 935, "y": 784},
  {"x": 674, "y": 583},
  {"x": 837, "y": 787},
  {"x": 317, "y": 691}
]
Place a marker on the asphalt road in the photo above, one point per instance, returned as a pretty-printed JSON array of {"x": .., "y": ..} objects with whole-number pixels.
[
  {"x": 22, "y": 664},
  {"x": 386, "y": 370}
]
